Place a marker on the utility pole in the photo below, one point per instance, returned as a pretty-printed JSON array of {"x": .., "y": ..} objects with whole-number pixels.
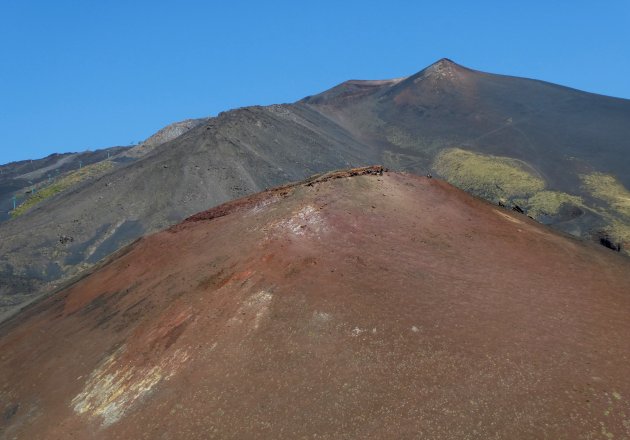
[{"x": 80, "y": 164}]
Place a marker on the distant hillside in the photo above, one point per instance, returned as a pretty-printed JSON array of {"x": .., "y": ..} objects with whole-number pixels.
[{"x": 19, "y": 179}]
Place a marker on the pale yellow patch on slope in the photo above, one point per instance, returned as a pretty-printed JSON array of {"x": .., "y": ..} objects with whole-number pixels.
[{"x": 116, "y": 385}]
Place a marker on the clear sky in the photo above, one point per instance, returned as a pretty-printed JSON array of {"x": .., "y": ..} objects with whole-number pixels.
[{"x": 86, "y": 74}]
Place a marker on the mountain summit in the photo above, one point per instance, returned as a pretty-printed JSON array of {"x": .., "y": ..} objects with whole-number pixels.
[{"x": 442, "y": 69}]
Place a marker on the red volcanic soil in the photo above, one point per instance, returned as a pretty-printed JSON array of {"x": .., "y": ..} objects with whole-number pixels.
[{"x": 371, "y": 306}]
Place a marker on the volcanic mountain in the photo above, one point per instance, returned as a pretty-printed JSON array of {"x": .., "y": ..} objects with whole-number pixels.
[
  {"x": 356, "y": 304},
  {"x": 558, "y": 154}
]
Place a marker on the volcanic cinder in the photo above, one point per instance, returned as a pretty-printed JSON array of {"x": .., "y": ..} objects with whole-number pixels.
[{"x": 357, "y": 304}]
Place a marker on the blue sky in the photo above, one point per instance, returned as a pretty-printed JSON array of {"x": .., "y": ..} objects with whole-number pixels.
[{"x": 77, "y": 75}]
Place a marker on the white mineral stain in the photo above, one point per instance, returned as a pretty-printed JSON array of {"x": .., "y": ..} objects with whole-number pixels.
[
  {"x": 258, "y": 304},
  {"x": 261, "y": 205},
  {"x": 357, "y": 331},
  {"x": 308, "y": 220},
  {"x": 114, "y": 387},
  {"x": 321, "y": 317}
]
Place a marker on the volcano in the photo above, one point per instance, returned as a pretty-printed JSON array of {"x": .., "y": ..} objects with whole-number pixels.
[
  {"x": 558, "y": 154},
  {"x": 355, "y": 304}
]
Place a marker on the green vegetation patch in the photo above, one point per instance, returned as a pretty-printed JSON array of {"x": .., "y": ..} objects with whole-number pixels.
[
  {"x": 619, "y": 231},
  {"x": 63, "y": 183},
  {"x": 508, "y": 180},
  {"x": 550, "y": 202},
  {"x": 494, "y": 178},
  {"x": 607, "y": 188}
]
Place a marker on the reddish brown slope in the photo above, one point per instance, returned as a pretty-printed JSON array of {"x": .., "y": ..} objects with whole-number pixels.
[{"x": 370, "y": 306}]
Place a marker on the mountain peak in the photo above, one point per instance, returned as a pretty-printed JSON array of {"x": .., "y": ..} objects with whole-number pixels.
[
  {"x": 445, "y": 62},
  {"x": 442, "y": 69}
]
